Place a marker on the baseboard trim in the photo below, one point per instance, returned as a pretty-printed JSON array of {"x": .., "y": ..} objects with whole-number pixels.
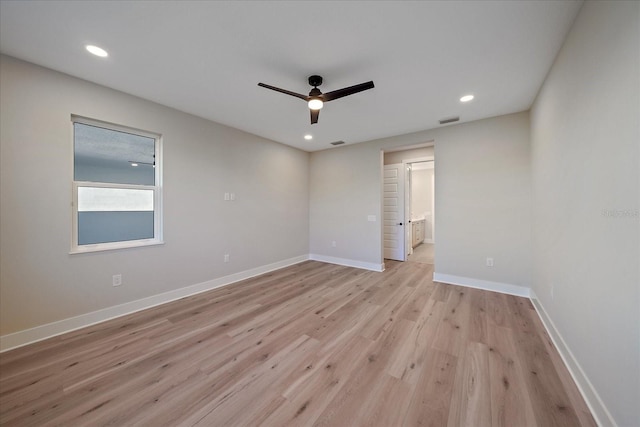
[
  {"x": 347, "y": 262},
  {"x": 504, "y": 288},
  {"x": 597, "y": 407},
  {"x": 49, "y": 330}
]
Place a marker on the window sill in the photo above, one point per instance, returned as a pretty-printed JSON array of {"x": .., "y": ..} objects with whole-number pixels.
[{"x": 101, "y": 247}]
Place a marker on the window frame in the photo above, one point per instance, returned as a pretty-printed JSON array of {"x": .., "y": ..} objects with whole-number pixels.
[{"x": 157, "y": 191}]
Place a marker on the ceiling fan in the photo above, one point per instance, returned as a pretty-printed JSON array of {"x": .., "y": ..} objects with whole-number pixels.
[{"x": 315, "y": 99}]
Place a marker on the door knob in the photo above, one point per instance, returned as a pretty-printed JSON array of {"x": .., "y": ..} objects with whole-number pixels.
[{"x": 399, "y": 223}]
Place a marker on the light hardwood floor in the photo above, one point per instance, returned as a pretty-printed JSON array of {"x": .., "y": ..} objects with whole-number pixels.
[
  {"x": 309, "y": 345},
  {"x": 424, "y": 253}
]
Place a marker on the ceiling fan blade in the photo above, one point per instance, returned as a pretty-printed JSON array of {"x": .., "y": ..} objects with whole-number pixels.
[
  {"x": 314, "y": 116},
  {"x": 287, "y": 92},
  {"x": 330, "y": 96}
]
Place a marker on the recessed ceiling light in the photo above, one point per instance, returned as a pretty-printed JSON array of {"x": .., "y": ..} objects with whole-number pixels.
[
  {"x": 134, "y": 164},
  {"x": 97, "y": 51},
  {"x": 466, "y": 98},
  {"x": 308, "y": 137}
]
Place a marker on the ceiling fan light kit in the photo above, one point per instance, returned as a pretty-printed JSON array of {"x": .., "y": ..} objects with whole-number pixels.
[
  {"x": 316, "y": 99},
  {"x": 315, "y": 104}
]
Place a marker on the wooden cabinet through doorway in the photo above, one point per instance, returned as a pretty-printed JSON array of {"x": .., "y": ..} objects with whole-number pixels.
[{"x": 417, "y": 232}]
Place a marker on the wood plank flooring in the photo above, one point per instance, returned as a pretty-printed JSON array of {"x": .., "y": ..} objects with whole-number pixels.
[
  {"x": 310, "y": 345},
  {"x": 424, "y": 253}
]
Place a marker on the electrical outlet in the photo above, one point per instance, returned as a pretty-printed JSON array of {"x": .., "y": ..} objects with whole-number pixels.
[
  {"x": 489, "y": 262},
  {"x": 233, "y": 196},
  {"x": 226, "y": 196},
  {"x": 333, "y": 244},
  {"x": 116, "y": 280},
  {"x": 226, "y": 257}
]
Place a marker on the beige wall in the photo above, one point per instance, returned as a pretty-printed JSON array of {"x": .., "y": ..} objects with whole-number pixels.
[
  {"x": 408, "y": 154},
  {"x": 344, "y": 189},
  {"x": 483, "y": 199},
  {"x": 41, "y": 283},
  {"x": 585, "y": 160}
]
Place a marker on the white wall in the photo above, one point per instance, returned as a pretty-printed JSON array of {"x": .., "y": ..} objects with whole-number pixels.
[
  {"x": 41, "y": 283},
  {"x": 585, "y": 162},
  {"x": 430, "y": 211},
  {"x": 483, "y": 199},
  {"x": 422, "y": 196},
  {"x": 420, "y": 193}
]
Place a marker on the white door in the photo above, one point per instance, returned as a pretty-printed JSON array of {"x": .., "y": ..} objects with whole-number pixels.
[{"x": 393, "y": 203}]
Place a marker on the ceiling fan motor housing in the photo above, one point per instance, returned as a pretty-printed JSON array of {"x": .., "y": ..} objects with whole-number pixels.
[{"x": 315, "y": 80}]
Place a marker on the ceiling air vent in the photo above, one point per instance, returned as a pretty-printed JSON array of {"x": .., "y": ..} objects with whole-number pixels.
[
  {"x": 449, "y": 120},
  {"x": 337, "y": 143}
]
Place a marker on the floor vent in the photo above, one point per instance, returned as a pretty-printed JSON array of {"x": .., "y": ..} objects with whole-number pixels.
[
  {"x": 449, "y": 120},
  {"x": 337, "y": 143}
]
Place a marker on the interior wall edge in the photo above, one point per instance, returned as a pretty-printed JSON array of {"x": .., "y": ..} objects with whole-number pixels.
[
  {"x": 50, "y": 330},
  {"x": 598, "y": 409}
]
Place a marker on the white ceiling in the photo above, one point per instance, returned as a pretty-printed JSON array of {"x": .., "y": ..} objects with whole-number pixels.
[{"x": 206, "y": 58}]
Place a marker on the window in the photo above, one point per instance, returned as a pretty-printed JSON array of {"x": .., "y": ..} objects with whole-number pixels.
[{"x": 116, "y": 187}]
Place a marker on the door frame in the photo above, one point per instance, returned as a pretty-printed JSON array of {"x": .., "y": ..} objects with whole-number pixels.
[{"x": 383, "y": 151}]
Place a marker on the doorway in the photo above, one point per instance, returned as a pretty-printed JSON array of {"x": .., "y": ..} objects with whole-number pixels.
[
  {"x": 422, "y": 200},
  {"x": 408, "y": 195}
]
